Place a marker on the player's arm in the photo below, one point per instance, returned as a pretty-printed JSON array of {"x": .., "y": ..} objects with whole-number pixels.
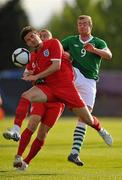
[
  {"x": 56, "y": 51},
  {"x": 55, "y": 66},
  {"x": 103, "y": 53}
]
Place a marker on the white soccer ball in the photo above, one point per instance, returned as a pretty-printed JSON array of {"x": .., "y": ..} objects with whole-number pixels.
[{"x": 21, "y": 57}]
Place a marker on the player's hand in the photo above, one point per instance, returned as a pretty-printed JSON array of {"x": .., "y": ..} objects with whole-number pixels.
[
  {"x": 66, "y": 55},
  {"x": 30, "y": 78},
  {"x": 27, "y": 73},
  {"x": 89, "y": 47}
]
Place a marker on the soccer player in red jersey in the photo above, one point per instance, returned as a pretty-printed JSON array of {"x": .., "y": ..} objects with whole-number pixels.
[
  {"x": 45, "y": 113},
  {"x": 58, "y": 77},
  {"x": 48, "y": 113},
  {"x": 14, "y": 133}
]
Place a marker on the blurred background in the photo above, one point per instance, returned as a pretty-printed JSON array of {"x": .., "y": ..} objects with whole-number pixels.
[{"x": 59, "y": 16}]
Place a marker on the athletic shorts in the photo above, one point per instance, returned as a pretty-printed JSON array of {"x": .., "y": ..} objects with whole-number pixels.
[
  {"x": 65, "y": 92},
  {"x": 86, "y": 87},
  {"x": 48, "y": 112}
]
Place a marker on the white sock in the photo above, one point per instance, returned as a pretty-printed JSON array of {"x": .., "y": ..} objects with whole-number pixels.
[
  {"x": 82, "y": 124},
  {"x": 16, "y": 128}
]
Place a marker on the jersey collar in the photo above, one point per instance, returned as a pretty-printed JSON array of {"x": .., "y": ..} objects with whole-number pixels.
[{"x": 84, "y": 42}]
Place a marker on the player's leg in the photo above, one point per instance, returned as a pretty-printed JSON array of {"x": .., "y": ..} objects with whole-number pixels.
[
  {"x": 87, "y": 90},
  {"x": 33, "y": 94},
  {"x": 76, "y": 103},
  {"x": 37, "y": 143},
  {"x": 92, "y": 121},
  {"x": 25, "y": 139},
  {"x": 54, "y": 111},
  {"x": 35, "y": 147},
  {"x": 21, "y": 112},
  {"x": 36, "y": 113}
]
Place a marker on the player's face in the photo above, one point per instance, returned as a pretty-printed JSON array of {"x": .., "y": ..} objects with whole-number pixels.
[
  {"x": 32, "y": 39},
  {"x": 84, "y": 27},
  {"x": 44, "y": 35}
]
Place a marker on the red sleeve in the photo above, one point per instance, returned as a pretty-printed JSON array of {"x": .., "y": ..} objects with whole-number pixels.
[{"x": 56, "y": 49}]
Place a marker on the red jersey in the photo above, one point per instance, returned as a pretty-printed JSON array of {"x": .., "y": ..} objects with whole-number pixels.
[
  {"x": 52, "y": 50},
  {"x": 59, "y": 85},
  {"x": 32, "y": 63}
]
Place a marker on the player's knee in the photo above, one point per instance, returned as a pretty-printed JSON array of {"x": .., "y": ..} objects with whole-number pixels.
[
  {"x": 32, "y": 126},
  {"x": 26, "y": 95}
]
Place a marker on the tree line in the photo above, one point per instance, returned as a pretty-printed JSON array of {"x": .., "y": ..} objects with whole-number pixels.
[{"x": 107, "y": 24}]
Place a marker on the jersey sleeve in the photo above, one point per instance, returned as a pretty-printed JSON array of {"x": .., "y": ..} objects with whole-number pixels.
[
  {"x": 65, "y": 43},
  {"x": 56, "y": 50},
  {"x": 102, "y": 44}
]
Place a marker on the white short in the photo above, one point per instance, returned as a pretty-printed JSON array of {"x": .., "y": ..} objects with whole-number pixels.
[{"x": 86, "y": 88}]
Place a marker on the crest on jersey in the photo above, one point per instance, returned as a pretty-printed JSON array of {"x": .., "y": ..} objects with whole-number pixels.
[{"x": 46, "y": 53}]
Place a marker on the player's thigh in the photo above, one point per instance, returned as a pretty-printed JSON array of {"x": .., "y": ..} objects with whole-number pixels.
[
  {"x": 35, "y": 94},
  {"x": 52, "y": 114},
  {"x": 38, "y": 108}
]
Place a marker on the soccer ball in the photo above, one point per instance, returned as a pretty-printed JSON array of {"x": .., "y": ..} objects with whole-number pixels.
[{"x": 21, "y": 57}]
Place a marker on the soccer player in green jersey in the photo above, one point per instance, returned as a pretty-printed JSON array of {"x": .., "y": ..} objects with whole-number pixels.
[{"x": 86, "y": 52}]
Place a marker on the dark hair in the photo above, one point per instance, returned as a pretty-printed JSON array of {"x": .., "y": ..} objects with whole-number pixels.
[{"x": 25, "y": 31}]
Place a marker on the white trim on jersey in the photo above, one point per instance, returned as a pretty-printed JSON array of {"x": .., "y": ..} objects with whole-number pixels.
[
  {"x": 55, "y": 59},
  {"x": 84, "y": 42}
]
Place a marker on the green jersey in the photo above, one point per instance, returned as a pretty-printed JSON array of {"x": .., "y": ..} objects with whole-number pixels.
[{"x": 88, "y": 63}]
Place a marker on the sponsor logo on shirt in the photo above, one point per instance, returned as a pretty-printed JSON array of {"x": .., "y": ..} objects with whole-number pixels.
[{"x": 46, "y": 53}]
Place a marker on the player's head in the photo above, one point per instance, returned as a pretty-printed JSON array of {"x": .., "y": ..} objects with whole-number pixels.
[
  {"x": 84, "y": 24},
  {"x": 30, "y": 36},
  {"x": 45, "y": 34}
]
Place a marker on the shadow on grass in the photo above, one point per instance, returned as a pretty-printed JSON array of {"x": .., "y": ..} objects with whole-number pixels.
[{"x": 13, "y": 173}]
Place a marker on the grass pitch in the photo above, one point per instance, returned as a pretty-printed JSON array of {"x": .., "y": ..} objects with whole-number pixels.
[{"x": 100, "y": 161}]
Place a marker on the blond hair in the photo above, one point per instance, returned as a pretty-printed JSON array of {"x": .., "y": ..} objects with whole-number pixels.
[
  {"x": 47, "y": 31},
  {"x": 86, "y": 17}
]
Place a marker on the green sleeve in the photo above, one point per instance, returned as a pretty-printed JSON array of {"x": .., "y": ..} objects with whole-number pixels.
[
  {"x": 65, "y": 43},
  {"x": 102, "y": 44}
]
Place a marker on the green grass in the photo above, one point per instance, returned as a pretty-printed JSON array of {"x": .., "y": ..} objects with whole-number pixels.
[{"x": 100, "y": 162}]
